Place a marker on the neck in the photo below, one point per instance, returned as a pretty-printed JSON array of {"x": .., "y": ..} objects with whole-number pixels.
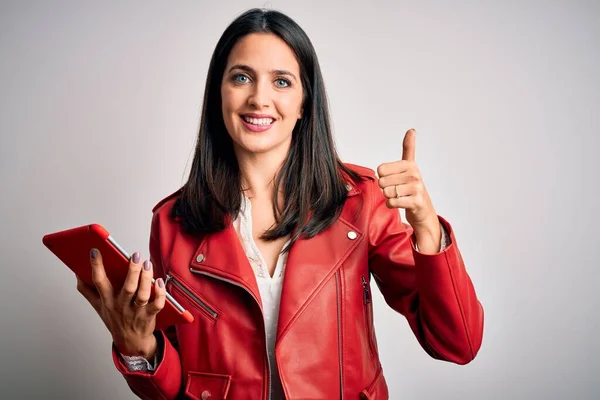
[{"x": 258, "y": 173}]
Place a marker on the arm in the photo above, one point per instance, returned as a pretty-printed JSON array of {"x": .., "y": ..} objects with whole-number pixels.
[
  {"x": 165, "y": 382},
  {"x": 434, "y": 292},
  {"x": 444, "y": 241}
]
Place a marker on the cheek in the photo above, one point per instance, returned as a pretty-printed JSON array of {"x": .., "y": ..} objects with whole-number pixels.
[
  {"x": 291, "y": 106},
  {"x": 230, "y": 100},
  {"x": 225, "y": 100}
]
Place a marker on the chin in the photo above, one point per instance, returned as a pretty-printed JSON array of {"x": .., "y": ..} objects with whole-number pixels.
[
  {"x": 259, "y": 149},
  {"x": 263, "y": 145}
]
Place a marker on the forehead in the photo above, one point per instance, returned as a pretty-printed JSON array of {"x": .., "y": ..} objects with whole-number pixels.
[{"x": 263, "y": 52}]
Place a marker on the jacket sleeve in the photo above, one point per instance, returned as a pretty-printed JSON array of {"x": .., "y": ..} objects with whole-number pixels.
[
  {"x": 165, "y": 382},
  {"x": 434, "y": 292}
]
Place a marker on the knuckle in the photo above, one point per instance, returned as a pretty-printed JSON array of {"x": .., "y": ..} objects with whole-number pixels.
[
  {"x": 98, "y": 280},
  {"x": 160, "y": 304},
  {"x": 160, "y": 297},
  {"x": 128, "y": 290},
  {"x": 142, "y": 297}
]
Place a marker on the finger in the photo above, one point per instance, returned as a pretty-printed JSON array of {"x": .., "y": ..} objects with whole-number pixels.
[
  {"x": 132, "y": 280},
  {"x": 90, "y": 294},
  {"x": 160, "y": 294},
  {"x": 394, "y": 191},
  {"x": 143, "y": 292},
  {"x": 391, "y": 168},
  {"x": 408, "y": 145},
  {"x": 404, "y": 190},
  {"x": 402, "y": 178},
  {"x": 406, "y": 202},
  {"x": 99, "y": 277}
]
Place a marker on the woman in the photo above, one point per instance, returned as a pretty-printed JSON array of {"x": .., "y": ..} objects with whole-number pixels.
[{"x": 272, "y": 242}]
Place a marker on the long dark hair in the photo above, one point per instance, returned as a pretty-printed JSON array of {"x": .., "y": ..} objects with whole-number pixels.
[{"x": 311, "y": 178}]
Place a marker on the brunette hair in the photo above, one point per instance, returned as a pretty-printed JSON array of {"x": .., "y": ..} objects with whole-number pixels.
[{"x": 312, "y": 176}]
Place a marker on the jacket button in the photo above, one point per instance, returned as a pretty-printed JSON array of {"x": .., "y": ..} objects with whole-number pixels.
[
  {"x": 205, "y": 395},
  {"x": 199, "y": 259},
  {"x": 352, "y": 235}
]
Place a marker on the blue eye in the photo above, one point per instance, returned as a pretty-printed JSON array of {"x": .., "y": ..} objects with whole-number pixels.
[
  {"x": 240, "y": 78},
  {"x": 285, "y": 82}
]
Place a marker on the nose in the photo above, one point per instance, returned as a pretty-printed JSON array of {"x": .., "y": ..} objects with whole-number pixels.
[{"x": 260, "y": 95}]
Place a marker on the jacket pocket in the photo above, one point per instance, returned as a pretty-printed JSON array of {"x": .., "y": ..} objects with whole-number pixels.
[
  {"x": 207, "y": 386},
  {"x": 377, "y": 390},
  {"x": 368, "y": 316},
  {"x": 175, "y": 284}
]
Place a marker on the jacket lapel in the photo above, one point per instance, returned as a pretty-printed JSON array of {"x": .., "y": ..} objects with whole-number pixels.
[{"x": 221, "y": 256}]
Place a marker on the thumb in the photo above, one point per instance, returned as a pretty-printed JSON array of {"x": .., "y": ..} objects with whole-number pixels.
[{"x": 408, "y": 145}]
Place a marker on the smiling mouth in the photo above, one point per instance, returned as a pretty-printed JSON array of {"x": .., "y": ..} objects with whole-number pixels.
[{"x": 258, "y": 121}]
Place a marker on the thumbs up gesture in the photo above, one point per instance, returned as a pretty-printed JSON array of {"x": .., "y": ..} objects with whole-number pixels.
[{"x": 403, "y": 187}]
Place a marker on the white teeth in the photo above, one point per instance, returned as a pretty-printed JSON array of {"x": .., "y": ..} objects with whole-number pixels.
[{"x": 258, "y": 121}]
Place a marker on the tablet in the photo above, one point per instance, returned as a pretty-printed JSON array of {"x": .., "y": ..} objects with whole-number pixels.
[{"x": 72, "y": 247}]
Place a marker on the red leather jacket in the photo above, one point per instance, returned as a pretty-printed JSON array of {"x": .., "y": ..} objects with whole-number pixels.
[{"x": 326, "y": 347}]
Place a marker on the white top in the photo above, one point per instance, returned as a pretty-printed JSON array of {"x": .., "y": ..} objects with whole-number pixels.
[{"x": 269, "y": 287}]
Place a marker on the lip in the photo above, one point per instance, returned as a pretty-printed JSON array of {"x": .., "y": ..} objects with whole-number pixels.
[{"x": 256, "y": 128}]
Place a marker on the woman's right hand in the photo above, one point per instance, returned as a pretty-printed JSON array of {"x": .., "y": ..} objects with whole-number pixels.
[{"x": 128, "y": 315}]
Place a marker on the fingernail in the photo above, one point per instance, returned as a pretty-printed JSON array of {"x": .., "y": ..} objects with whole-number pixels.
[
  {"x": 147, "y": 265},
  {"x": 161, "y": 284},
  {"x": 136, "y": 257},
  {"x": 94, "y": 253}
]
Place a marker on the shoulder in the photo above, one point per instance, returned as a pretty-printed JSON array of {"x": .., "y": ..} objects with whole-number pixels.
[
  {"x": 362, "y": 171},
  {"x": 167, "y": 203},
  {"x": 367, "y": 177}
]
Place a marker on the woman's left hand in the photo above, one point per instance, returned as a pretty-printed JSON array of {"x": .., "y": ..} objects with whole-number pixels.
[{"x": 404, "y": 188}]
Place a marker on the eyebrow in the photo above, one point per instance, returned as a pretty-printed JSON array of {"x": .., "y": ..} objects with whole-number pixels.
[{"x": 272, "y": 72}]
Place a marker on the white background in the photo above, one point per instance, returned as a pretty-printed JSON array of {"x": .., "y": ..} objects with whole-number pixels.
[{"x": 99, "y": 110}]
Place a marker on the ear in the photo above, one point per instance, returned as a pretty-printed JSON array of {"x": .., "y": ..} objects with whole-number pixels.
[{"x": 300, "y": 113}]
